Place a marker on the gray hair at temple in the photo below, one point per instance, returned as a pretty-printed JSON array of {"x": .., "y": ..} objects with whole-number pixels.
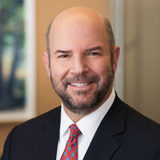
[{"x": 108, "y": 30}]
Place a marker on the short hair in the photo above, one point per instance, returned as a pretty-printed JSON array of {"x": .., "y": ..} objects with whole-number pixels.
[
  {"x": 108, "y": 29},
  {"x": 111, "y": 37},
  {"x": 47, "y": 38}
]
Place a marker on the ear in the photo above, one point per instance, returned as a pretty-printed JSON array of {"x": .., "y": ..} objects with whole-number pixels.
[
  {"x": 45, "y": 58},
  {"x": 116, "y": 57}
]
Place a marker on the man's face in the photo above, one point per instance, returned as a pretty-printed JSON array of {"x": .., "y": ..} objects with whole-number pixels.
[{"x": 80, "y": 65}]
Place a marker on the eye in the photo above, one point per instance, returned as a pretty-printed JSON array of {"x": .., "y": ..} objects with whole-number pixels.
[
  {"x": 93, "y": 53},
  {"x": 63, "y": 56}
]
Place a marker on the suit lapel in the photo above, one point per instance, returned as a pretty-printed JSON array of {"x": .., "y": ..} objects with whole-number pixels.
[
  {"x": 105, "y": 142},
  {"x": 48, "y": 139}
]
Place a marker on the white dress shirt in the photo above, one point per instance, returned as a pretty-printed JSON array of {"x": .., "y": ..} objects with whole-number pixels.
[{"x": 87, "y": 125}]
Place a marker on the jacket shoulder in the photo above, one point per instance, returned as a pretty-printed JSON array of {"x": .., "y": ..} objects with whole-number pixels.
[
  {"x": 38, "y": 122},
  {"x": 140, "y": 125}
]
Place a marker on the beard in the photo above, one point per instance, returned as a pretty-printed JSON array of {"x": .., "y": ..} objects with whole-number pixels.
[{"x": 97, "y": 97}]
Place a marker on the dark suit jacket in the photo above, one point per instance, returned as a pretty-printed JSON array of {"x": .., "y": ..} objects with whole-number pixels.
[{"x": 123, "y": 134}]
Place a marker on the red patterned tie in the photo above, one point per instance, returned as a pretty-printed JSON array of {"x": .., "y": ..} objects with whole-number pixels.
[{"x": 71, "y": 149}]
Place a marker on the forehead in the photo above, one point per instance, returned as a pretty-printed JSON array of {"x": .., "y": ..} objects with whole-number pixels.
[{"x": 77, "y": 29}]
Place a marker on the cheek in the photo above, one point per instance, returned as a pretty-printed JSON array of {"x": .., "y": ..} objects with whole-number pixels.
[
  {"x": 101, "y": 69},
  {"x": 58, "y": 71}
]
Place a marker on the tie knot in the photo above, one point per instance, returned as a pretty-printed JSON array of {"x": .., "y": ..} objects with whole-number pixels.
[{"x": 75, "y": 132}]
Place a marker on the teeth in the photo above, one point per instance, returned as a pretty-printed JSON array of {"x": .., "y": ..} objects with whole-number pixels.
[{"x": 79, "y": 84}]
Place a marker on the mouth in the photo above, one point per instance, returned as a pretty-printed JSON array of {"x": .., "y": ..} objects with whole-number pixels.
[
  {"x": 79, "y": 84},
  {"x": 81, "y": 88}
]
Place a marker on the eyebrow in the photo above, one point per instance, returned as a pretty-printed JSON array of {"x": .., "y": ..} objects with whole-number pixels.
[
  {"x": 62, "y": 51},
  {"x": 70, "y": 51},
  {"x": 94, "y": 48}
]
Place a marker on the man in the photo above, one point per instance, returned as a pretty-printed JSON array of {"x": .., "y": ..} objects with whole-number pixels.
[{"x": 81, "y": 62}]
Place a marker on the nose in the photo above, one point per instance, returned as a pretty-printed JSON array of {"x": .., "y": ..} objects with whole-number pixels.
[{"x": 79, "y": 66}]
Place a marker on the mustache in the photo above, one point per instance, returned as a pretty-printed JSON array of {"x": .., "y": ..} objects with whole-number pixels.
[{"x": 80, "y": 78}]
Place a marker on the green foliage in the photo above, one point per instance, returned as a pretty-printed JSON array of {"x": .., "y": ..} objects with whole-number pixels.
[
  {"x": 11, "y": 18},
  {"x": 12, "y": 37}
]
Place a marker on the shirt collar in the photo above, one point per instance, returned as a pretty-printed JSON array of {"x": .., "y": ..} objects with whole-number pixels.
[
  {"x": 88, "y": 124},
  {"x": 65, "y": 122}
]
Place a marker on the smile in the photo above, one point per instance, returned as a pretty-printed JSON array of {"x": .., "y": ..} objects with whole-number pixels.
[{"x": 79, "y": 84}]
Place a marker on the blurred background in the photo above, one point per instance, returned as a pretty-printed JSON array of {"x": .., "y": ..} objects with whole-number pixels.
[{"x": 140, "y": 53}]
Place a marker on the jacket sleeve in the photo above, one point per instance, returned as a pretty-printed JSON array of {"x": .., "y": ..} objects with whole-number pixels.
[
  {"x": 7, "y": 146},
  {"x": 157, "y": 154}
]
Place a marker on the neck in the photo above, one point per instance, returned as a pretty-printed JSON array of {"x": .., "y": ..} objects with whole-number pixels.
[{"x": 73, "y": 116}]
